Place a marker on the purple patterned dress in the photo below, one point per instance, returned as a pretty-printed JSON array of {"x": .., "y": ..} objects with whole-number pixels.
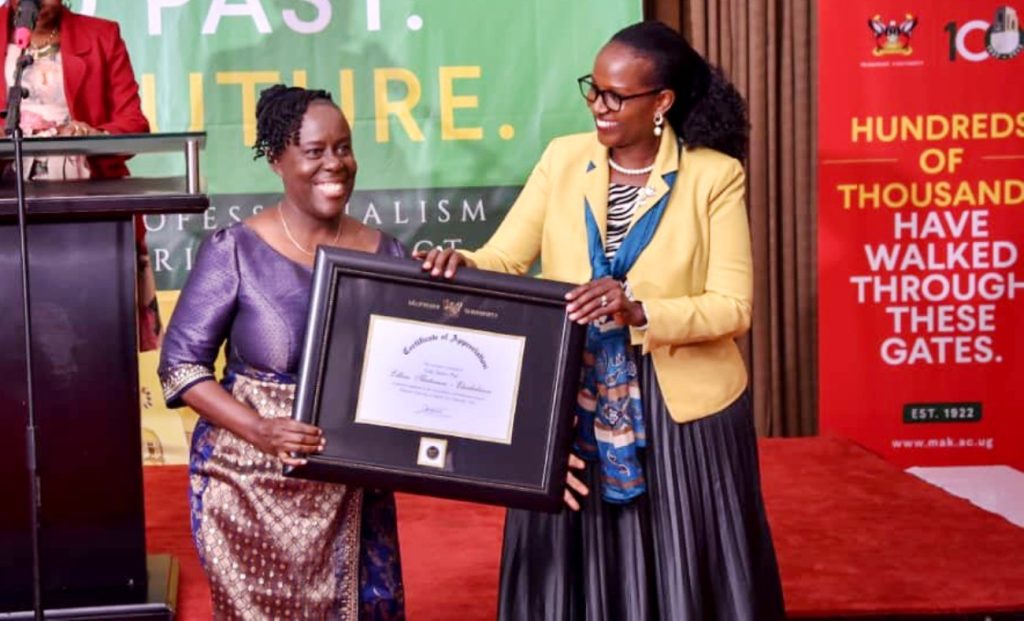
[{"x": 273, "y": 547}]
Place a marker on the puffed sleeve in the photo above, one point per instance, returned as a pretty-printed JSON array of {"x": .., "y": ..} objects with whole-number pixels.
[{"x": 202, "y": 318}]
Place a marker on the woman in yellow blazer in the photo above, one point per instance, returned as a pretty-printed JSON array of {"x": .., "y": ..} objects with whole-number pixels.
[{"x": 648, "y": 212}]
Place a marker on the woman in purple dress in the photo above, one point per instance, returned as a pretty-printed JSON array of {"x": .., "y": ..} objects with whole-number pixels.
[{"x": 276, "y": 547}]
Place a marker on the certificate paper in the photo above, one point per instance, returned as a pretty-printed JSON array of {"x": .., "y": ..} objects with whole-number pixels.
[{"x": 440, "y": 379}]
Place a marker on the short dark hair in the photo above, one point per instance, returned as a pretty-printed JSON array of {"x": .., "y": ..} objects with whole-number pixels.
[
  {"x": 708, "y": 111},
  {"x": 279, "y": 113}
]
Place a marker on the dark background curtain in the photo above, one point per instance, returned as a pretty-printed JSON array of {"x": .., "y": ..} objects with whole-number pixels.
[{"x": 768, "y": 48}]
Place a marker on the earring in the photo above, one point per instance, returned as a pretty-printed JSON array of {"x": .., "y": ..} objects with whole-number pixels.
[{"x": 659, "y": 120}]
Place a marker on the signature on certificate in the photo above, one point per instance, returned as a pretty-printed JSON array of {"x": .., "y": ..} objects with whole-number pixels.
[{"x": 430, "y": 411}]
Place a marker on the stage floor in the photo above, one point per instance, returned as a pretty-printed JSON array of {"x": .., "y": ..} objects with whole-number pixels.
[{"x": 855, "y": 537}]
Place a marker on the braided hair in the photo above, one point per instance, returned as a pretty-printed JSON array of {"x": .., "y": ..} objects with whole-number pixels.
[
  {"x": 708, "y": 111},
  {"x": 279, "y": 113}
]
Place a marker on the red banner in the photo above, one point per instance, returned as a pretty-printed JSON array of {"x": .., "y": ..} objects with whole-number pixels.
[{"x": 921, "y": 227}]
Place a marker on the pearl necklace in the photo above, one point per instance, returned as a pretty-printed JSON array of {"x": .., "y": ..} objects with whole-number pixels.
[
  {"x": 284, "y": 223},
  {"x": 631, "y": 172}
]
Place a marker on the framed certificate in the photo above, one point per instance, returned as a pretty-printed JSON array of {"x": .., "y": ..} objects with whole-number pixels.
[{"x": 459, "y": 388}]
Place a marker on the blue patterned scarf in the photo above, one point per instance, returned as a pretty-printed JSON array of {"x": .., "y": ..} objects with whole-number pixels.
[{"x": 610, "y": 422}]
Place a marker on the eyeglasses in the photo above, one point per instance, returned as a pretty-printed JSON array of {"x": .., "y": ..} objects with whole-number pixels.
[{"x": 611, "y": 99}]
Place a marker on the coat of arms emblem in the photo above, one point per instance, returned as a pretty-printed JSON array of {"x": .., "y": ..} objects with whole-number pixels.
[
  {"x": 451, "y": 308},
  {"x": 892, "y": 37}
]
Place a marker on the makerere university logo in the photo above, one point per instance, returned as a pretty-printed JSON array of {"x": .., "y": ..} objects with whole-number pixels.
[
  {"x": 451, "y": 308},
  {"x": 892, "y": 37}
]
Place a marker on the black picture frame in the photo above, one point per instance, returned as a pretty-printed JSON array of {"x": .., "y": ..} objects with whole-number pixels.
[{"x": 529, "y": 471}]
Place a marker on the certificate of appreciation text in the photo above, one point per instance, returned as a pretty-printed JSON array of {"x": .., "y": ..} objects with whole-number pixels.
[{"x": 440, "y": 379}]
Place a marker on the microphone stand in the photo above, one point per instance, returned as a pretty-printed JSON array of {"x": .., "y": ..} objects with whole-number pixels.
[{"x": 13, "y": 120}]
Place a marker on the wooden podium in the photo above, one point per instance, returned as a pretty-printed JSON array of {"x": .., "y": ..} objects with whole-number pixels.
[{"x": 82, "y": 273}]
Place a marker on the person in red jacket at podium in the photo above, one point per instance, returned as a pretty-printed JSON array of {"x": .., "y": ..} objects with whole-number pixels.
[{"x": 80, "y": 83}]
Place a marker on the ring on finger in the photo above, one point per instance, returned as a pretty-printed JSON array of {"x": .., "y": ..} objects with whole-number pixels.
[{"x": 604, "y": 300}]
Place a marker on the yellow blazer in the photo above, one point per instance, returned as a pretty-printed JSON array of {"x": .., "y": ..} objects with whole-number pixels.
[{"x": 695, "y": 278}]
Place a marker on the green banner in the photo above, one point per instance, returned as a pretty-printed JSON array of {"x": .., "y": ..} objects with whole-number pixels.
[{"x": 451, "y": 101}]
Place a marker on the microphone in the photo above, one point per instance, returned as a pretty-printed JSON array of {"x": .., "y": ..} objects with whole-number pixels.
[{"x": 25, "y": 22}]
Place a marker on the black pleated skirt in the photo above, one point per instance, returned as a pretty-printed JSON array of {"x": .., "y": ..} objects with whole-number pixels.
[{"x": 696, "y": 546}]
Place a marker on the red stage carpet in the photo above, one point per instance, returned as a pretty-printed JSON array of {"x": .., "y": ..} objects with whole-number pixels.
[{"x": 855, "y": 536}]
